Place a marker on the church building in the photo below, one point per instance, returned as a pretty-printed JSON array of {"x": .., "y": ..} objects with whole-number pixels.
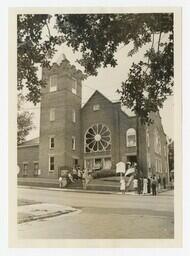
[{"x": 96, "y": 136}]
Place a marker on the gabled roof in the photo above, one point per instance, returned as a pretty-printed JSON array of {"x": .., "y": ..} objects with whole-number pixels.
[
  {"x": 32, "y": 142},
  {"x": 114, "y": 103},
  {"x": 97, "y": 93}
]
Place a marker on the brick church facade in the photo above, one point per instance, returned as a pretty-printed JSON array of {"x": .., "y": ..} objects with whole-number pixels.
[{"x": 96, "y": 136}]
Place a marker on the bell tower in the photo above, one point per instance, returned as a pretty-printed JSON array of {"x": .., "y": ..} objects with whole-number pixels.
[{"x": 60, "y": 119}]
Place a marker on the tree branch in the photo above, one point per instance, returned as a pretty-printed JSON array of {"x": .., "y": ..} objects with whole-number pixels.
[
  {"x": 151, "y": 48},
  {"x": 152, "y": 40},
  {"x": 48, "y": 29},
  {"x": 159, "y": 41}
]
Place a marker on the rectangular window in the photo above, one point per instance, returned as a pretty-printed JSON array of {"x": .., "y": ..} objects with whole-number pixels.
[
  {"x": 36, "y": 167},
  {"x": 73, "y": 116},
  {"x": 148, "y": 139},
  {"x": 161, "y": 166},
  {"x": 107, "y": 163},
  {"x": 131, "y": 142},
  {"x": 156, "y": 165},
  {"x": 148, "y": 160},
  {"x": 74, "y": 86},
  {"x": 51, "y": 142},
  {"x": 131, "y": 137},
  {"x": 159, "y": 147},
  {"x": 73, "y": 143},
  {"x": 96, "y": 107},
  {"x": 98, "y": 163},
  {"x": 52, "y": 115},
  {"x": 75, "y": 162},
  {"x": 165, "y": 151},
  {"x": 51, "y": 163},
  {"x": 25, "y": 169},
  {"x": 53, "y": 83}
]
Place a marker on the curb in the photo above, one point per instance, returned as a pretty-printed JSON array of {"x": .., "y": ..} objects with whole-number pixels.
[
  {"x": 68, "y": 190},
  {"x": 87, "y": 191}
]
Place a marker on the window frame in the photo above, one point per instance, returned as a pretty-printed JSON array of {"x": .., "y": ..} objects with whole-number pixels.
[
  {"x": 50, "y": 142},
  {"x": 160, "y": 165},
  {"x": 51, "y": 156},
  {"x": 74, "y": 88},
  {"x": 25, "y": 171},
  {"x": 52, "y": 115},
  {"x": 73, "y": 115},
  {"x": 148, "y": 138},
  {"x": 96, "y": 107},
  {"x": 148, "y": 160},
  {"x": 127, "y": 136},
  {"x": 36, "y": 170},
  {"x": 52, "y": 86},
  {"x": 156, "y": 165},
  {"x": 104, "y": 132},
  {"x": 165, "y": 151},
  {"x": 73, "y": 141}
]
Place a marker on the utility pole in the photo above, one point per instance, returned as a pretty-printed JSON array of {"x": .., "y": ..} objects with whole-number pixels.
[
  {"x": 137, "y": 139},
  {"x": 137, "y": 145}
]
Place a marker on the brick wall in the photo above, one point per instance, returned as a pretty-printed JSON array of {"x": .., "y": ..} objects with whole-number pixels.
[
  {"x": 64, "y": 101},
  {"x": 28, "y": 155},
  {"x": 118, "y": 122},
  {"x": 157, "y": 125}
]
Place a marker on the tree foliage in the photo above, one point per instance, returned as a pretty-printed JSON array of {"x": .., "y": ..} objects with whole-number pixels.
[
  {"x": 24, "y": 122},
  {"x": 98, "y": 37},
  {"x": 33, "y": 49}
]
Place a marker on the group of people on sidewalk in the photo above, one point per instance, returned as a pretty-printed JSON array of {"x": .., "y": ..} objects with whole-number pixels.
[
  {"x": 142, "y": 185},
  {"x": 76, "y": 174}
]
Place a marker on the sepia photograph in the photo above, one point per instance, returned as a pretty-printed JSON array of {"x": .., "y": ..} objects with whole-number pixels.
[{"x": 96, "y": 94}]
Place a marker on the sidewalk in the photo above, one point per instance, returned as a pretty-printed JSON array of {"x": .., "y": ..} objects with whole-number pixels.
[
  {"x": 132, "y": 193},
  {"x": 38, "y": 211}
]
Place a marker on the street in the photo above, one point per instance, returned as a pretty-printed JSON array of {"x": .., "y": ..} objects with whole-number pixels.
[{"x": 101, "y": 216}]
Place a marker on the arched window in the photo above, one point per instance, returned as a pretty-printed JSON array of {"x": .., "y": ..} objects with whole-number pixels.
[
  {"x": 97, "y": 138},
  {"x": 131, "y": 137},
  {"x": 147, "y": 138},
  {"x": 157, "y": 141}
]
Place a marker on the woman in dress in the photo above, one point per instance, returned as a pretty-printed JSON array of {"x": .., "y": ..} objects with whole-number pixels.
[
  {"x": 145, "y": 183},
  {"x": 122, "y": 185},
  {"x": 135, "y": 184}
]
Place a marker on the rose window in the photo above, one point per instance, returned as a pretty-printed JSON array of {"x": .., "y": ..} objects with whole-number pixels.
[{"x": 98, "y": 138}]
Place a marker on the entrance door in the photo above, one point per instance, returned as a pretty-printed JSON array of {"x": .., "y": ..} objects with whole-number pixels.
[
  {"x": 88, "y": 163},
  {"x": 98, "y": 163},
  {"x": 132, "y": 159},
  {"x": 75, "y": 162},
  {"x": 25, "y": 169},
  {"x": 107, "y": 163}
]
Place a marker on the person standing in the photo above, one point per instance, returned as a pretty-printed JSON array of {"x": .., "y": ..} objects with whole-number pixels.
[
  {"x": 135, "y": 184},
  {"x": 70, "y": 176},
  {"x": 149, "y": 185},
  {"x": 75, "y": 175},
  {"x": 122, "y": 185},
  {"x": 154, "y": 184},
  {"x": 79, "y": 173},
  {"x": 85, "y": 178},
  {"x": 145, "y": 183},
  {"x": 139, "y": 185},
  {"x": 159, "y": 183},
  {"x": 60, "y": 181},
  {"x": 164, "y": 182}
]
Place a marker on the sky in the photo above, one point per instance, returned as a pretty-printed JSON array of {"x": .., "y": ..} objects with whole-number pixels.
[{"x": 107, "y": 82}]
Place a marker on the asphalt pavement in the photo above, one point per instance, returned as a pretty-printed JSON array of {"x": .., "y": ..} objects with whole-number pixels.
[{"x": 101, "y": 216}]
